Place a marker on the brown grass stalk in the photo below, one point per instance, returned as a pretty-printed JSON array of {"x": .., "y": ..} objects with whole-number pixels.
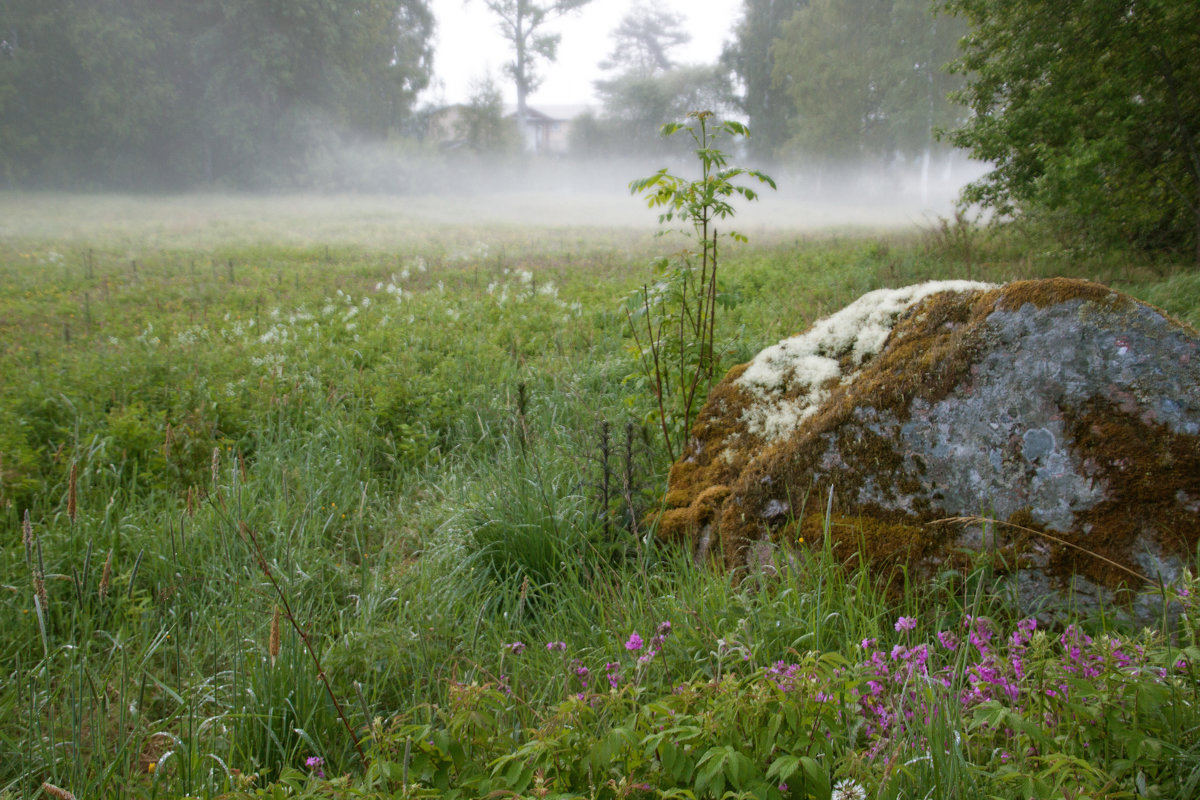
[
  {"x": 1050, "y": 536},
  {"x": 39, "y": 577},
  {"x": 27, "y": 537},
  {"x": 105, "y": 577},
  {"x": 73, "y": 492},
  {"x": 54, "y": 791}
]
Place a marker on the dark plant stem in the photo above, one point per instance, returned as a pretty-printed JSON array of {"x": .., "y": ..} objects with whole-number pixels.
[
  {"x": 522, "y": 425},
  {"x": 248, "y": 534},
  {"x": 652, "y": 344}
]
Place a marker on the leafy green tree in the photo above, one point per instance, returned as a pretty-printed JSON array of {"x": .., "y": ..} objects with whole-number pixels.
[
  {"x": 749, "y": 56},
  {"x": 482, "y": 124},
  {"x": 1089, "y": 113},
  {"x": 283, "y": 78},
  {"x": 865, "y": 78},
  {"x": 522, "y": 23},
  {"x": 636, "y": 105},
  {"x": 175, "y": 92},
  {"x": 41, "y": 91}
]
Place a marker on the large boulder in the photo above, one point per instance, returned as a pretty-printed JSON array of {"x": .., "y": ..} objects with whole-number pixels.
[{"x": 1066, "y": 412}]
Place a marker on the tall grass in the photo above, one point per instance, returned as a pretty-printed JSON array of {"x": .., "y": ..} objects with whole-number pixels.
[{"x": 412, "y": 431}]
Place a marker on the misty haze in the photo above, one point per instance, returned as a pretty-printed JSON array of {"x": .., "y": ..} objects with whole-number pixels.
[
  {"x": 335, "y": 99},
  {"x": 631, "y": 400}
]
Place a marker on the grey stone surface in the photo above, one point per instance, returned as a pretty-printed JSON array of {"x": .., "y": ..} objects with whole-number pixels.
[
  {"x": 1004, "y": 441},
  {"x": 998, "y": 443}
]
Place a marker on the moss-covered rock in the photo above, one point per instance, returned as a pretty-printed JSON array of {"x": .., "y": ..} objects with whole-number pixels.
[{"x": 1065, "y": 411}]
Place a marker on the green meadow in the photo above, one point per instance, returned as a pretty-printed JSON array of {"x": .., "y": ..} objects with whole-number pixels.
[{"x": 345, "y": 497}]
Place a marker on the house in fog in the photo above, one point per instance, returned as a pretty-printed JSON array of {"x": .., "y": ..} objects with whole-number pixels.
[
  {"x": 546, "y": 132},
  {"x": 547, "y": 128}
]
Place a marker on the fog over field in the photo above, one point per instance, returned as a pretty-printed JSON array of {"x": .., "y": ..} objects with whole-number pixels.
[{"x": 550, "y": 196}]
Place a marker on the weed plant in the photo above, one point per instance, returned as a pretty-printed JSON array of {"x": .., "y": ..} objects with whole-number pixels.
[{"x": 411, "y": 431}]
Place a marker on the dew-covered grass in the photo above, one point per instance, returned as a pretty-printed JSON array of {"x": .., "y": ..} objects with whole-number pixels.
[{"x": 433, "y": 433}]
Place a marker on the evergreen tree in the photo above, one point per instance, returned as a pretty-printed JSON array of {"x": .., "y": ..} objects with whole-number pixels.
[
  {"x": 643, "y": 40},
  {"x": 650, "y": 90}
]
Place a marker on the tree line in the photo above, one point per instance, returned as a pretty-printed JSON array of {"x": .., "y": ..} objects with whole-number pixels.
[
  {"x": 1087, "y": 112},
  {"x": 177, "y": 93}
]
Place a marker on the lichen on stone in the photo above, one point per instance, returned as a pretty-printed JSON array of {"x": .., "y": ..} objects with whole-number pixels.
[
  {"x": 1063, "y": 404},
  {"x": 790, "y": 380}
]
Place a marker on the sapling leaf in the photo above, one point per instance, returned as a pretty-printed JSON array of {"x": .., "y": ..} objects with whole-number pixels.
[
  {"x": 815, "y": 776},
  {"x": 783, "y": 768}
]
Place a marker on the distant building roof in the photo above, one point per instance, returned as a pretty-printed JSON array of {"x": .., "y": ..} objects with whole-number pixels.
[{"x": 552, "y": 112}]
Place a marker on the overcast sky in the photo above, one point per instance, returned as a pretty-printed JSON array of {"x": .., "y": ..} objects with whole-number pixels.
[{"x": 468, "y": 45}]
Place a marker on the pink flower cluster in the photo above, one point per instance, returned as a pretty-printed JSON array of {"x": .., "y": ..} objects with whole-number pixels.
[
  {"x": 894, "y": 704},
  {"x": 635, "y": 643}
]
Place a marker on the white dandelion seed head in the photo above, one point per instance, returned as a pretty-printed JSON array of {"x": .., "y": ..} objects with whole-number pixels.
[{"x": 847, "y": 789}]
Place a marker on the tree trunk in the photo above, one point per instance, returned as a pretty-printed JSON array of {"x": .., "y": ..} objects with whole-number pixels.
[{"x": 522, "y": 79}]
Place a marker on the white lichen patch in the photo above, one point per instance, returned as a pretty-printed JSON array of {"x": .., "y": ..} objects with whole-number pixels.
[{"x": 791, "y": 380}]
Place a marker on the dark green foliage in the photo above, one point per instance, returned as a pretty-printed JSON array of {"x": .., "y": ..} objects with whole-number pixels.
[
  {"x": 750, "y": 57},
  {"x": 865, "y": 78},
  {"x": 637, "y": 104},
  {"x": 1090, "y": 114},
  {"x": 170, "y": 93}
]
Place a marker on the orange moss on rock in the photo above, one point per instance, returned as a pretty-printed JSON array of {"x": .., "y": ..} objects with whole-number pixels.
[
  {"x": 751, "y": 488},
  {"x": 1154, "y": 495},
  {"x": 1052, "y": 291},
  {"x": 687, "y": 522},
  {"x": 881, "y": 542}
]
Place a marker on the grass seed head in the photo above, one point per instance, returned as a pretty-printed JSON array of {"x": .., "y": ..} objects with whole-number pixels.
[
  {"x": 273, "y": 642},
  {"x": 105, "y": 577},
  {"x": 72, "y": 492},
  {"x": 216, "y": 465},
  {"x": 39, "y": 588},
  {"x": 27, "y": 536},
  {"x": 54, "y": 791}
]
